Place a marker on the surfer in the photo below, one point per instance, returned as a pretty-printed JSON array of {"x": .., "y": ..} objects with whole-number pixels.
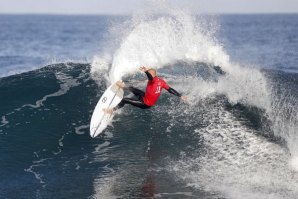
[{"x": 146, "y": 99}]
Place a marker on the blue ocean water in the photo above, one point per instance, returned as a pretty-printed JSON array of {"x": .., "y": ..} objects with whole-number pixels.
[
  {"x": 268, "y": 41},
  {"x": 236, "y": 139},
  {"x": 33, "y": 41}
]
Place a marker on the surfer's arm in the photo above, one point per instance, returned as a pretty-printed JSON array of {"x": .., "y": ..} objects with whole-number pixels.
[
  {"x": 144, "y": 69},
  {"x": 149, "y": 75},
  {"x": 174, "y": 92}
]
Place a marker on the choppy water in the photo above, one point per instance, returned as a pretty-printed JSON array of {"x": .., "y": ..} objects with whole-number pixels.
[{"x": 236, "y": 139}]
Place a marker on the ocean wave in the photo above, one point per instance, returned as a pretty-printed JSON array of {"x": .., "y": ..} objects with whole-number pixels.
[{"x": 235, "y": 139}]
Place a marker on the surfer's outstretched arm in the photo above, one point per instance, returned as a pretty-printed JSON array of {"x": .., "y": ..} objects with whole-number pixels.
[
  {"x": 151, "y": 73},
  {"x": 174, "y": 92}
]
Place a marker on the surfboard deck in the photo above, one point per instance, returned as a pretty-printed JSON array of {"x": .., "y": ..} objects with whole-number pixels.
[{"x": 110, "y": 99}]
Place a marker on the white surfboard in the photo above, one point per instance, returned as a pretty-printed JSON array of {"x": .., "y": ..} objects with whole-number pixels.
[{"x": 110, "y": 99}]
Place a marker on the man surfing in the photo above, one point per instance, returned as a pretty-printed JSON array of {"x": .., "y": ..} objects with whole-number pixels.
[{"x": 146, "y": 99}]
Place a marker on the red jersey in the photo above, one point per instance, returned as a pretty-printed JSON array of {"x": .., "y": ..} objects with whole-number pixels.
[{"x": 153, "y": 90}]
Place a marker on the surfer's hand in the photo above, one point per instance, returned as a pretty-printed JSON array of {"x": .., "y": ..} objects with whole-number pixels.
[
  {"x": 184, "y": 98},
  {"x": 143, "y": 69}
]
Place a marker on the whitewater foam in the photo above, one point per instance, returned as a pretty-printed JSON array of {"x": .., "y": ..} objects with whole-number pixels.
[
  {"x": 237, "y": 162},
  {"x": 284, "y": 117}
]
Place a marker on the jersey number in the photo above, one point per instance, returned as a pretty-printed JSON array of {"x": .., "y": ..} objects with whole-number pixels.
[{"x": 157, "y": 90}]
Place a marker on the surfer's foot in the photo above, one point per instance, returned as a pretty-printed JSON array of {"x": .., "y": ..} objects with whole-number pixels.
[
  {"x": 108, "y": 110},
  {"x": 120, "y": 84}
]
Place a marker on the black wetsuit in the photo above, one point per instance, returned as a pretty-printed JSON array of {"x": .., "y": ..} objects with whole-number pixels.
[
  {"x": 135, "y": 102},
  {"x": 139, "y": 102}
]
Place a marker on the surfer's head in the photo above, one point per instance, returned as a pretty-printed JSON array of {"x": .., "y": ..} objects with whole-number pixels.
[{"x": 152, "y": 72}]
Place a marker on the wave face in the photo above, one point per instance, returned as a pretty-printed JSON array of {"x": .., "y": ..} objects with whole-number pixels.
[{"x": 235, "y": 139}]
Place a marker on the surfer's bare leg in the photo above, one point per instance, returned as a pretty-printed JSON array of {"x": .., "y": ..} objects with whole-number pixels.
[
  {"x": 108, "y": 110},
  {"x": 120, "y": 84}
]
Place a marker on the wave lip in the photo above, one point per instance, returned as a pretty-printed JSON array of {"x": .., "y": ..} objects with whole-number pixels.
[{"x": 159, "y": 41}]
